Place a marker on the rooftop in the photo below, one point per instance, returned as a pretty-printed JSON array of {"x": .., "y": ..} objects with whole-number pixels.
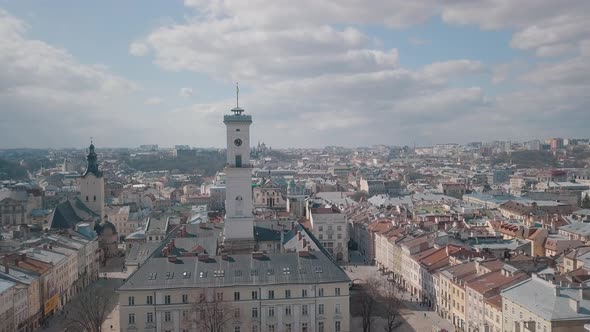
[
  {"x": 236, "y": 270},
  {"x": 542, "y": 298}
]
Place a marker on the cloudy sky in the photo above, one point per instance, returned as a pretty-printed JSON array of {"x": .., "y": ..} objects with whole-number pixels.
[{"x": 311, "y": 73}]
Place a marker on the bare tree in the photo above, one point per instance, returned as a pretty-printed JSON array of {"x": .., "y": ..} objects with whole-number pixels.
[
  {"x": 368, "y": 302},
  {"x": 390, "y": 303},
  {"x": 90, "y": 310},
  {"x": 212, "y": 313}
]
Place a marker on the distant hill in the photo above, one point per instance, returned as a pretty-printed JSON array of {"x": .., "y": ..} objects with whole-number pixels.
[{"x": 10, "y": 170}]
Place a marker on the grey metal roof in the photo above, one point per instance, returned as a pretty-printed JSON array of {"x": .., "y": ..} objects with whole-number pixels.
[
  {"x": 237, "y": 270},
  {"x": 579, "y": 228},
  {"x": 539, "y": 297}
]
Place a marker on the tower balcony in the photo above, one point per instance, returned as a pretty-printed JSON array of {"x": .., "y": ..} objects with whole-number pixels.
[{"x": 241, "y": 118}]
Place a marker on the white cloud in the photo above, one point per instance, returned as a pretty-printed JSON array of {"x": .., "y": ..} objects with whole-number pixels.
[
  {"x": 138, "y": 49},
  {"x": 319, "y": 75},
  {"x": 153, "y": 101},
  {"x": 186, "y": 92},
  {"x": 45, "y": 90}
]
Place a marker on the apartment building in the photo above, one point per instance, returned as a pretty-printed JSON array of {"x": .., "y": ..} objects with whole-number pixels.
[
  {"x": 330, "y": 227},
  {"x": 539, "y": 305}
]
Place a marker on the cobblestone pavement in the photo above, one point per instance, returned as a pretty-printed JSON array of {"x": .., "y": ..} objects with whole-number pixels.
[{"x": 416, "y": 318}]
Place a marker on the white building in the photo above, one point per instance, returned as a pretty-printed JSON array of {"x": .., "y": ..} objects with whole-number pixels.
[{"x": 330, "y": 227}]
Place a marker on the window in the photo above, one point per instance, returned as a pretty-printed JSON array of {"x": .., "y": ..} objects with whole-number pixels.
[
  {"x": 254, "y": 328},
  {"x": 288, "y": 310},
  {"x": 167, "y": 299},
  {"x": 337, "y": 291},
  {"x": 86, "y": 198},
  {"x": 339, "y": 228},
  {"x": 304, "y": 293},
  {"x": 131, "y": 300},
  {"x": 254, "y": 295},
  {"x": 271, "y": 311},
  {"x": 339, "y": 236},
  {"x": 337, "y": 309},
  {"x": 239, "y": 161},
  {"x": 219, "y": 296},
  {"x": 184, "y": 298},
  {"x": 236, "y": 313},
  {"x": 287, "y": 293},
  {"x": 202, "y": 297},
  {"x": 185, "y": 314},
  {"x": 337, "y": 326},
  {"x": 320, "y": 326},
  {"x": 167, "y": 316},
  {"x": 271, "y": 328},
  {"x": 320, "y": 309},
  {"x": 236, "y": 296},
  {"x": 237, "y": 328},
  {"x": 95, "y": 198},
  {"x": 254, "y": 312},
  {"x": 271, "y": 294},
  {"x": 321, "y": 228},
  {"x": 288, "y": 328},
  {"x": 321, "y": 292},
  {"x": 131, "y": 318},
  {"x": 149, "y": 317},
  {"x": 304, "y": 309},
  {"x": 303, "y": 327}
]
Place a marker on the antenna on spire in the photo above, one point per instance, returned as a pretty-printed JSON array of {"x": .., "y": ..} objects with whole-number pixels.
[
  {"x": 90, "y": 139},
  {"x": 237, "y": 95}
]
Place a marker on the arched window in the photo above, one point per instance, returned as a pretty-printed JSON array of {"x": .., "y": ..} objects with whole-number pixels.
[
  {"x": 239, "y": 207},
  {"x": 95, "y": 198},
  {"x": 86, "y": 198}
]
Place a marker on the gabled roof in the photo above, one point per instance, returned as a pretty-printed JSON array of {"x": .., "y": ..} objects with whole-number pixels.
[{"x": 71, "y": 212}]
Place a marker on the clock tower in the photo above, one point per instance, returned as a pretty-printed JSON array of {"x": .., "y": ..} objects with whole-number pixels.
[{"x": 239, "y": 220}]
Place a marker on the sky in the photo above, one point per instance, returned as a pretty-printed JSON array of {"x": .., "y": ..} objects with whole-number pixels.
[{"x": 311, "y": 73}]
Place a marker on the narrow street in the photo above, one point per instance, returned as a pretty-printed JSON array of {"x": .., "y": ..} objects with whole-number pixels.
[{"x": 114, "y": 279}]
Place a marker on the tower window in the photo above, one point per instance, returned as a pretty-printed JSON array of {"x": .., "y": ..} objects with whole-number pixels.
[
  {"x": 86, "y": 198},
  {"x": 238, "y": 129},
  {"x": 95, "y": 198}
]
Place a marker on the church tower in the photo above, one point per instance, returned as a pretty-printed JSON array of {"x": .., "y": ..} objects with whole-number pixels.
[
  {"x": 92, "y": 184},
  {"x": 239, "y": 221}
]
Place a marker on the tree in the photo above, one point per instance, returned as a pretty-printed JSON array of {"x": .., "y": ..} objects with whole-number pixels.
[
  {"x": 368, "y": 302},
  {"x": 586, "y": 201},
  {"x": 391, "y": 303},
  {"x": 210, "y": 313},
  {"x": 90, "y": 310}
]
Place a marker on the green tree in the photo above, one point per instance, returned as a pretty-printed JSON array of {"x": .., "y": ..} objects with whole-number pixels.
[{"x": 586, "y": 202}]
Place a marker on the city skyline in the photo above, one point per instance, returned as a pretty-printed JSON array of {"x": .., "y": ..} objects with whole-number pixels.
[{"x": 346, "y": 75}]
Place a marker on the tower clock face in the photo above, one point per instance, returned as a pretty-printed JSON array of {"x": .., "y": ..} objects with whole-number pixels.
[{"x": 238, "y": 142}]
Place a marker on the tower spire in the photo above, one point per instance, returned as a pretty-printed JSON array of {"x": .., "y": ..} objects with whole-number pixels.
[{"x": 237, "y": 95}]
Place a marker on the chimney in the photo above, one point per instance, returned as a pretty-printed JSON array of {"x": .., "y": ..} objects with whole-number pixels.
[
  {"x": 172, "y": 258},
  {"x": 292, "y": 225},
  {"x": 298, "y": 235},
  {"x": 6, "y": 268},
  {"x": 304, "y": 243},
  {"x": 203, "y": 257},
  {"x": 257, "y": 255},
  {"x": 224, "y": 256},
  {"x": 557, "y": 290}
]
